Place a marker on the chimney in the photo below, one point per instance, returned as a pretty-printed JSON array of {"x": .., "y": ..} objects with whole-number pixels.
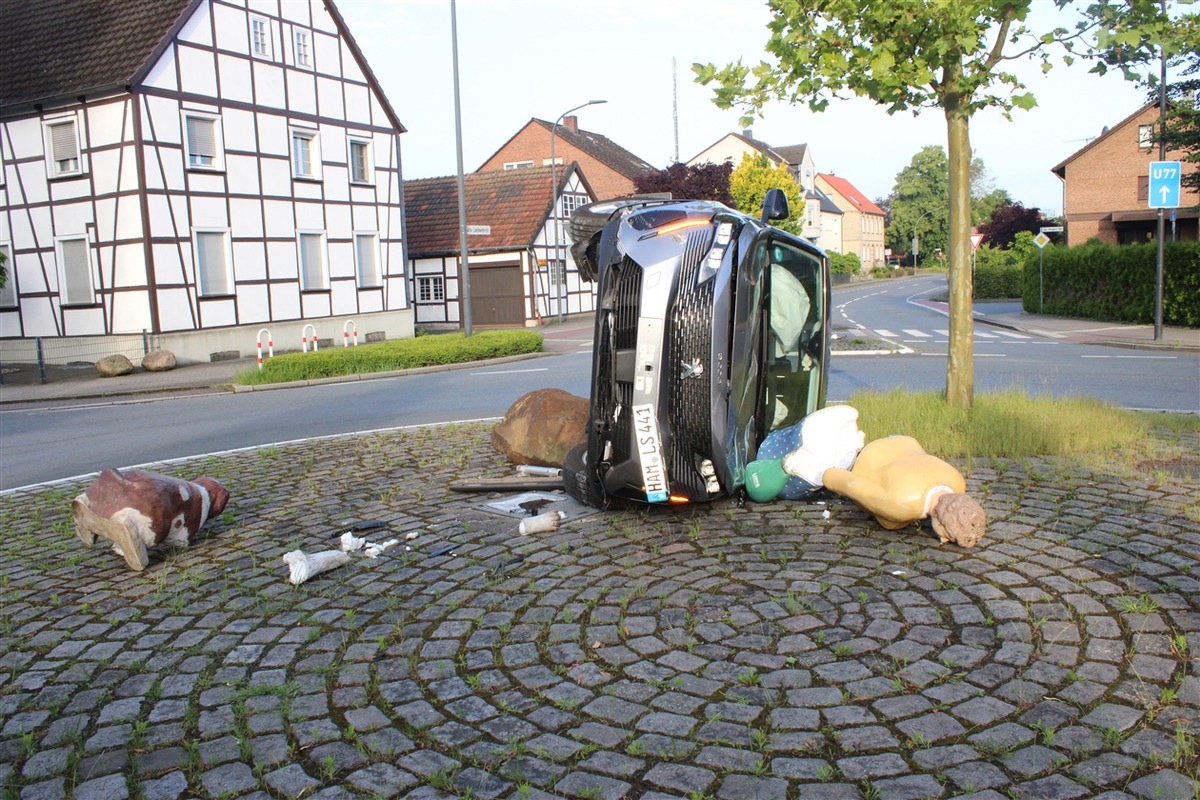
[
  {"x": 571, "y": 123},
  {"x": 748, "y": 133}
]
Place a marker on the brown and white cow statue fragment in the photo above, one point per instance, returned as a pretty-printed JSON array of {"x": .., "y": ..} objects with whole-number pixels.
[{"x": 136, "y": 510}]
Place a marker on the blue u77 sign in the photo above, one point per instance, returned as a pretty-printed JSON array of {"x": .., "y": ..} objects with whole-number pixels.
[{"x": 1164, "y": 184}]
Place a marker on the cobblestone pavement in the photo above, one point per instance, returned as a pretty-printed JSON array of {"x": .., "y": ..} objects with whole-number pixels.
[{"x": 787, "y": 650}]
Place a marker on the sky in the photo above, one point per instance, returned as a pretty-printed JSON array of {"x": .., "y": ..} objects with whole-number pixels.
[{"x": 520, "y": 59}]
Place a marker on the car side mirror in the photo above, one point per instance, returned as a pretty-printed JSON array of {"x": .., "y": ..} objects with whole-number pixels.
[{"x": 775, "y": 205}]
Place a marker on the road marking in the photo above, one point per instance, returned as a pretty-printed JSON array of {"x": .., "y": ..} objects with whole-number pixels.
[
  {"x": 1012, "y": 335},
  {"x": 885, "y": 333},
  {"x": 941, "y": 332},
  {"x": 1158, "y": 357},
  {"x": 983, "y": 335},
  {"x": 919, "y": 334},
  {"x": 511, "y": 371}
]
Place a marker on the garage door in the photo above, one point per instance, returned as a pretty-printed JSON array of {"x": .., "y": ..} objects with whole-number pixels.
[{"x": 497, "y": 295}]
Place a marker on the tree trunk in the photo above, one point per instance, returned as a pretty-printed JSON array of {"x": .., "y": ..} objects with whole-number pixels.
[{"x": 960, "y": 369}]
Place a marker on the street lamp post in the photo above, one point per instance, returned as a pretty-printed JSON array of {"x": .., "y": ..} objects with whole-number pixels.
[
  {"x": 914, "y": 239},
  {"x": 562, "y": 283}
]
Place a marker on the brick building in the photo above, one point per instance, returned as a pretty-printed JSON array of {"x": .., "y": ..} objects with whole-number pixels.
[
  {"x": 610, "y": 168},
  {"x": 1106, "y": 186}
]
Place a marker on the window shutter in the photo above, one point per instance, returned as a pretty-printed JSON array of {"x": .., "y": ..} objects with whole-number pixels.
[
  {"x": 63, "y": 141},
  {"x": 310, "y": 261},
  {"x": 210, "y": 264},
  {"x": 368, "y": 270},
  {"x": 202, "y": 139},
  {"x": 77, "y": 271}
]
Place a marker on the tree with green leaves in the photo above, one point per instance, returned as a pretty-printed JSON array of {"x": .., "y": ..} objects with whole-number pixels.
[
  {"x": 1181, "y": 129},
  {"x": 918, "y": 203},
  {"x": 913, "y": 54},
  {"x": 750, "y": 180}
]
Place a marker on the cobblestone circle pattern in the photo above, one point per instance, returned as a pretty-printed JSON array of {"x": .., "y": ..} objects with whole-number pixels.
[{"x": 785, "y": 650}]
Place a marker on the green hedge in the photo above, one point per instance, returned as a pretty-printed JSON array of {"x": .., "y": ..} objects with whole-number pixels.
[
  {"x": 1115, "y": 283},
  {"x": 422, "y": 351},
  {"x": 997, "y": 281}
]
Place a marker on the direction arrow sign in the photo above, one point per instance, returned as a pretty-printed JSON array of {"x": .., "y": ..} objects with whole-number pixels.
[{"x": 1164, "y": 184}]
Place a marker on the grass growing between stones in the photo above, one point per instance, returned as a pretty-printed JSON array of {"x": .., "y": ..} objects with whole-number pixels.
[
  {"x": 1012, "y": 424},
  {"x": 422, "y": 351}
]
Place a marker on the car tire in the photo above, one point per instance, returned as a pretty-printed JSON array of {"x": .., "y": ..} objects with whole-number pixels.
[
  {"x": 578, "y": 480},
  {"x": 584, "y": 226}
]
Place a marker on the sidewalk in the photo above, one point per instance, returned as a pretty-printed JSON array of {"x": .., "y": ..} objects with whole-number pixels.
[{"x": 572, "y": 335}]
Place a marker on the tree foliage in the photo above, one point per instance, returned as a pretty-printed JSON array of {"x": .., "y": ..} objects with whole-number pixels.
[
  {"x": 1008, "y": 220},
  {"x": 706, "y": 181},
  {"x": 748, "y": 185},
  {"x": 918, "y": 203},
  {"x": 1181, "y": 131},
  {"x": 913, "y": 54}
]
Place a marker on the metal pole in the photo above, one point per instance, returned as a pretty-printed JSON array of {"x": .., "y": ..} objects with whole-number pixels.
[
  {"x": 1162, "y": 156},
  {"x": 556, "y": 224},
  {"x": 464, "y": 266}
]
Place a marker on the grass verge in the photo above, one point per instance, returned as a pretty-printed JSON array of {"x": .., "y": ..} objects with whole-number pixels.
[
  {"x": 1012, "y": 424},
  {"x": 422, "y": 351}
]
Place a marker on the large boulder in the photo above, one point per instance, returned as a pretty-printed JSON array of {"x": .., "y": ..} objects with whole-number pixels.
[
  {"x": 541, "y": 427},
  {"x": 111, "y": 366},
  {"x": 158, "y": 361}
]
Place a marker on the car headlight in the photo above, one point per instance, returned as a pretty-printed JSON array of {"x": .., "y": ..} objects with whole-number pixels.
[{"x": 712, "y": 262}]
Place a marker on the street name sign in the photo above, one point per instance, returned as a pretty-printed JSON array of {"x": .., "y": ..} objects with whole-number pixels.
[{"x": 1164, "y": 184}]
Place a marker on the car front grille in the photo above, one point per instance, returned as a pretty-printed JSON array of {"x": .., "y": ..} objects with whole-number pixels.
[
  {"x": 689, "y": 372},
  {"x": 626, "y": 301}
]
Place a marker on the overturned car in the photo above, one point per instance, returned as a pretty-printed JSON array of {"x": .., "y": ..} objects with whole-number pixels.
[{"x": 710, "y": 333}]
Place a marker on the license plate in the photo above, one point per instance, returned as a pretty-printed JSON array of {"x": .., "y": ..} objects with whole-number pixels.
[{"x": 654, "y": 472}]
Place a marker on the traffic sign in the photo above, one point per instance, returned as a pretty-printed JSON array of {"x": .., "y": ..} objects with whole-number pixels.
[
  {"x": 976, "y": 240},
  {"x": 1052, "y": 229},
  {"x": 1041, "y": 240},
  {"x": 1164, "y": 184}
]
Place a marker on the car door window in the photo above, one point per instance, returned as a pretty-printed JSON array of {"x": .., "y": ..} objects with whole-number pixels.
[{"x": 794, "y": 331}]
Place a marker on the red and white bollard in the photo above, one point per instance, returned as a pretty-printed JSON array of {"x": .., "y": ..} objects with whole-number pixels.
[
  {"x": 346, "y": 333},
  {"x": 270, "y": 346},
  {"x": 304, "y": 338}
]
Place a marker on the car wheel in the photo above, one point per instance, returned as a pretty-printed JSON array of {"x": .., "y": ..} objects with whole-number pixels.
[
  {"x": 578, "y": 480},
  {"x": 585, "y": 224}
]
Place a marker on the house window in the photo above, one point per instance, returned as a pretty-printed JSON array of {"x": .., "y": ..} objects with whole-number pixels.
[
  {"x": 75, "y": 267},
  {"x": 572, "y": 202},
  {"x": 306, "y": 154},
  {"x": 8, "y": 294},
  {"x": 360, "y": 161},
  {"x": 260, "y": 37},
  {"x": 366, "y": 256},
  {"x": 202, "y": 142},
  {"x": 313, "y": 275},
  {"x": 62, "y": 144},
  {"x": 518, "y": 164},
  {"x": 213, "y": 275},
  {"x": 557, "y": 268},
  {"x": 431, "y": 289},
  {"x": 303, "y": 55},
  {"x": 1143, "y": 189},
  {"x": 1145, "y": 136}
]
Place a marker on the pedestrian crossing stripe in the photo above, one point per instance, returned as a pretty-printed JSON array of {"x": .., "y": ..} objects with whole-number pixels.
[{"x": 918, "y": 334}]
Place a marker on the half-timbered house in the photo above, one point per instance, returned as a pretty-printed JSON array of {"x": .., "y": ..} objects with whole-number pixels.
[
  {"x": 521, "y": 269},
  {"x": 195, "y": 170}
]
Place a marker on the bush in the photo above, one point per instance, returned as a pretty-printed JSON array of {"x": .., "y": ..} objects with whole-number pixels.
[
  {"x": 997, "y": 281},
  {"x": 1115, "y": 283},
  {"x": 424, "y": 351},
  {"x": 844, "y": 264}
]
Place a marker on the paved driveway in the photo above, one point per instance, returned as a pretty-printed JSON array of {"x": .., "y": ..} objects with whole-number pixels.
[{"x": 774, "y": 651}]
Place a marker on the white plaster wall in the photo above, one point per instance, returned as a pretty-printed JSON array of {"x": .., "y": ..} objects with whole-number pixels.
[
  {"x": 252, "y": 304},
  {"x": 218, "y": 313},
  {"x": 302, "y": 94},
  {"x": 233, "y": 29},
  {"x": 197, "y": 71},
  {"x": 285, "y": 301},
  {"x": 241, "y": 173},
  {"x": 197, "y": 29},
  {"x": 250, "y": 262},
  {"x": 131, "y": 312},
  {"x": 281, "y": 256},
  {"x": 235, "y": 75},
  {"x": 246, "y": 216}
]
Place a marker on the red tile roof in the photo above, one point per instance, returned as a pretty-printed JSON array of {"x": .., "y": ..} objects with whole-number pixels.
[
  {"x": 847, "y": 190},
  {"x": 514, "y": 203}
]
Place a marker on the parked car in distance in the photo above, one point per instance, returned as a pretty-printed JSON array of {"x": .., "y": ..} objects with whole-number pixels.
[{"x": 711, "y": 331}]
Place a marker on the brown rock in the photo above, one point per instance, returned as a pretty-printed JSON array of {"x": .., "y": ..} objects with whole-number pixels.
[
  {"x": 541, "y": 427},
  {"x": 111, "y": 366},
  {"x": 158, "y": 361}
]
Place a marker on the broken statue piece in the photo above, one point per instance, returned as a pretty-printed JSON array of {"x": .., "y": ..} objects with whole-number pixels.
[
  {"x": 542, "y": 523},
  {"x": 899, "y": 483},
  {"x": 302, "y": 566},
  {"x": 137, "y": 510}
]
